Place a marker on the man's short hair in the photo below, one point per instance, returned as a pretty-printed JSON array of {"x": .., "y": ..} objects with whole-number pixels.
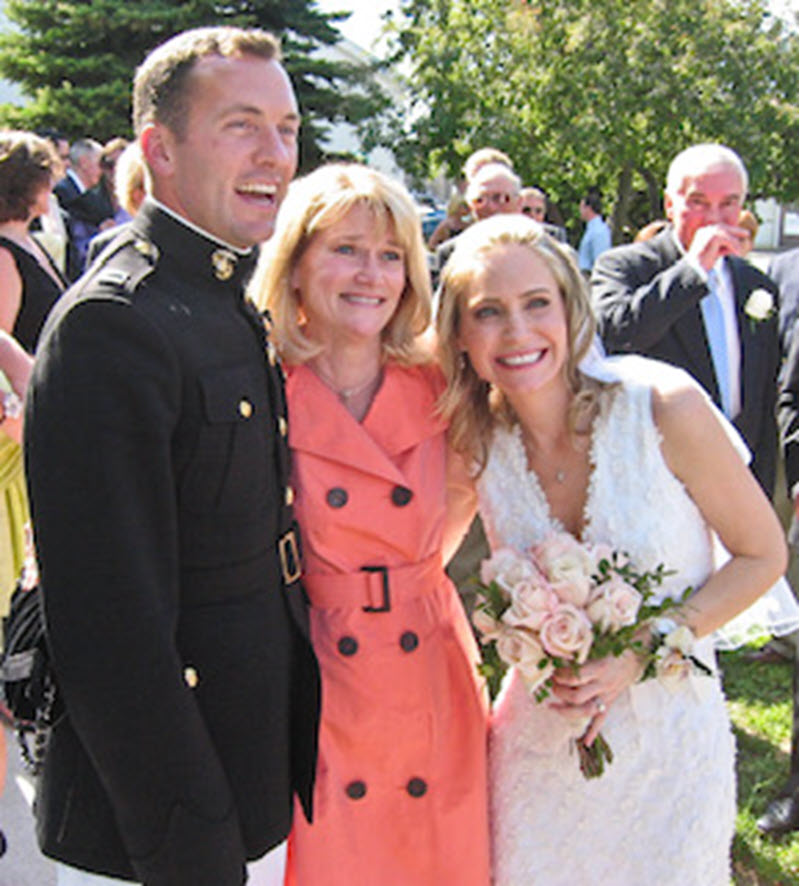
[
  {"x": 160, "y": 86},
  {"x": 490, "y": 171},
  {"x": 483, "y": 157},
  {"x": 81, "y": 148},
  {"x": 699, "y": 159}
]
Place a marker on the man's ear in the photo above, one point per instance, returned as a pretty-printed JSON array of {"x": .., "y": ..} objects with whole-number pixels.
[
  {"x": 157, "y": 149},
  {"x": 667, "y": 205}
]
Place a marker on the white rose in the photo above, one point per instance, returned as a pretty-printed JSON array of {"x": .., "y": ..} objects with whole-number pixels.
[
  {"x": 759, "y": 305},
  {"x": 531, "y": 603},
  {"x": 567, "y": 633},
  {"x": 520, "y": 649},
  {"x": 614, "y": 604},
  {"x": 568, "y": 566}
]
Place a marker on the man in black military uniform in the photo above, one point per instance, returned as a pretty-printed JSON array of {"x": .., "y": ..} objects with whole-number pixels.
[{"x": 158, "y": 468}]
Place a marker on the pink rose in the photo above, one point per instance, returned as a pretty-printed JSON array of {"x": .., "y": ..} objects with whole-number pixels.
[
  {"x": 507, "y": 568},
  {"x": 531, "y": 603},
  {"x": 567, "y": 633},
  {"x": 568, "y": 566},
  {"x": 489, "y": 628},
  {"x": 614, "y": 604},
  {"x": 520, "y": 649}
]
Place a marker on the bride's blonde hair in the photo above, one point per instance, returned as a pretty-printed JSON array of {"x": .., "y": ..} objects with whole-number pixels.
[{"x": 471, "y": 405}]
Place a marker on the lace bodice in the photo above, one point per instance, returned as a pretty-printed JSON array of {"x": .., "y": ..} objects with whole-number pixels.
[{"x": 633, "y": 502}]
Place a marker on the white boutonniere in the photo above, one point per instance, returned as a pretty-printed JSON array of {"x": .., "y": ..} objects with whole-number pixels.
[{"x": 759, "y": 305}]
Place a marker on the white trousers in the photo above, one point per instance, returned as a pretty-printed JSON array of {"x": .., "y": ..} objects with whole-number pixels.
[{"x": 266, "y": 871}]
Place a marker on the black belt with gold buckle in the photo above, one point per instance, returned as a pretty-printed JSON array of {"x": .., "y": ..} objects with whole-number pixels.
[{"x": 289, "y": 553}]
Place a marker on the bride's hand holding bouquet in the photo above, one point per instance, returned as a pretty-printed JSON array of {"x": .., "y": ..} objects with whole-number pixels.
[{"x": 577, "y": 622}]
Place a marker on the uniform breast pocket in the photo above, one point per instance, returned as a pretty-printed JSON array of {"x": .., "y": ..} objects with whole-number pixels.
[{"x": 232, "y": 459}]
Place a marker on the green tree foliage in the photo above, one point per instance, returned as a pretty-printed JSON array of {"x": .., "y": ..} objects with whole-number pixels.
[
  {"x": 75, "y": 59},
  {"x": 582, "y": 93}
]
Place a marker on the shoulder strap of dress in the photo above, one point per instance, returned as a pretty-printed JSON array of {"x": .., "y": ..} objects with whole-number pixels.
[{"x": 15, "y": 249}]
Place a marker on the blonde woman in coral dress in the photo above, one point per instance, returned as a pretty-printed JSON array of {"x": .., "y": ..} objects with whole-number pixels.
[{"x": 400, "y": 797}]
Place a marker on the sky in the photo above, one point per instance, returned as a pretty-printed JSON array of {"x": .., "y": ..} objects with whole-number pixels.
[{"x": 364, "y": 25}]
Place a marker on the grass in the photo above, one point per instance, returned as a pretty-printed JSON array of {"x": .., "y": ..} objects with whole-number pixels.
[{"x": 759, "y": 700}]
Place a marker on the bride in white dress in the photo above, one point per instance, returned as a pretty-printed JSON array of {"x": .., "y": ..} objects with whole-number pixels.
[{"x": 639, "y": 460}]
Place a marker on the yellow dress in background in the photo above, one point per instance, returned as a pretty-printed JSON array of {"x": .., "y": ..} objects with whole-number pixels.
[{"x": 13, "y": 517}]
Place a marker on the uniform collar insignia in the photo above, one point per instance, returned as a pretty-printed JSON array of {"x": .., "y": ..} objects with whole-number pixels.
[{"x": 224, "y": 263}]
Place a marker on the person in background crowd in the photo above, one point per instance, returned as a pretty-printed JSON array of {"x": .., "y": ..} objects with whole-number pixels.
[
  {"x": 157, "y": 466},
  {"x": 781, "y": 815},
  {"x": 51, "y": 229},
  {"x": 749, "y": 223},
  {"x": 596, "y": 237},
  {"x": 401, "y": 784},
  {"x": 97, "y": 209},
  {"x": 457, "y": 220},
  {"x": 129, "y": 190},
  {"x": 533, "y": 203},
  {"x": 30, "y": 282},
  {"x": 629, "y": 454},
  {"x": 687, "y": 297},
  {"x": 15, "y": 369},
  {"x": 82, "y": 173},
  {"x": 494, "y": 188}
]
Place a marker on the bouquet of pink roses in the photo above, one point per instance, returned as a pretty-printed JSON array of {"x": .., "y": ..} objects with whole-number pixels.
[{"x": 560, "y": 604}]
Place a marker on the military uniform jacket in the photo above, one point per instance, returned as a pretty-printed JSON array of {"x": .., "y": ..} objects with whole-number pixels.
[{"x": 158, "y": 468}]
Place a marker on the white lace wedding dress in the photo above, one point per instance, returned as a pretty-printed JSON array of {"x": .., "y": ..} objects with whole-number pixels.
[{"x": 663, "y": 812}]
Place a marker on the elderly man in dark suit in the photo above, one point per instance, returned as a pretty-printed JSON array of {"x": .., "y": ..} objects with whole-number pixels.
[
  {"x": 158, "y": 466},
  {"x": 686, "y": 297}
]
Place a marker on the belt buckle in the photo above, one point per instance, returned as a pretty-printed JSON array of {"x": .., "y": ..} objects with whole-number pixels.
[
  {"x": 386, "y": 605},
  {"x": 290, "y": 557}
]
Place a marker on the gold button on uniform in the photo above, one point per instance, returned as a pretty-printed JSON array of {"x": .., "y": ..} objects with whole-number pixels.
[
  {"x": 289, "y": 496},
  {"x": 190, "y": 677},
  {"x": 272, "y": 354},
  {"x": 283, "y": 427},
  {"x": 245, "y": 408}
]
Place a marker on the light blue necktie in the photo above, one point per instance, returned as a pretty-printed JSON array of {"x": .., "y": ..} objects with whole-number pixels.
[{"x": 714, "y": 319}]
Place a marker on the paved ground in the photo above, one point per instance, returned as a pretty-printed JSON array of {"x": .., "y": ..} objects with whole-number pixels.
[{"x": 22, "y": 864}]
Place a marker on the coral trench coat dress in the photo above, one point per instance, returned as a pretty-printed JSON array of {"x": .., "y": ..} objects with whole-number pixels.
[{"x": 400, "y": 798}]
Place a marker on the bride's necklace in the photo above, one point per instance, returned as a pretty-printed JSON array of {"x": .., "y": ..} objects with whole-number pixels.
[{"x": 561, "y": 473}]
